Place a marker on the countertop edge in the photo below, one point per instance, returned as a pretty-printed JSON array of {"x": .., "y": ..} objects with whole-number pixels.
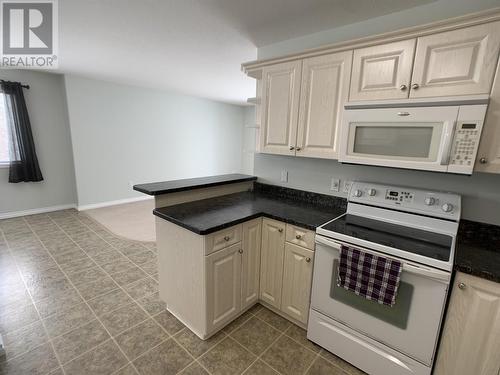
[
  {"x": 217, "y": 228},
  {"x": 140, "y": 187}
]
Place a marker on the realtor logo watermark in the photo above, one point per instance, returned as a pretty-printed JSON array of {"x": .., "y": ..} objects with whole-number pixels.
[{"x": 29, "y": 34}]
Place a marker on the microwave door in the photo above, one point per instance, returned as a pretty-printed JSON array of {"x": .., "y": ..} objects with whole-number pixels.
[{"x": 413, "y": 138}]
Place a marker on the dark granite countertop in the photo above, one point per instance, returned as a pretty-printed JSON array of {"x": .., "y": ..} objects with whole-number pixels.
[
  {"x": 307, "y": 210},
  {"x": 478, "y": 250},
  {"x": 165, "y": 187}
]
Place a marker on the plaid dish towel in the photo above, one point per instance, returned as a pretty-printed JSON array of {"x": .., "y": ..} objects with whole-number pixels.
[{"x": 374, "y": 277}]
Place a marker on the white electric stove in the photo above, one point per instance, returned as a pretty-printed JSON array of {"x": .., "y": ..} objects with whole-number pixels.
[{"x": 416, "y": 227}]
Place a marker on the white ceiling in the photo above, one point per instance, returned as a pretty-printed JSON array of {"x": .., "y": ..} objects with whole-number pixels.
[{"x": 193, "y": 46}]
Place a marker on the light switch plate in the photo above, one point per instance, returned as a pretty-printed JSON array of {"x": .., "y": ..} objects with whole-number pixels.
[
  {"x": 284, "y": 175},
  {"x": 335, "y": 184}
]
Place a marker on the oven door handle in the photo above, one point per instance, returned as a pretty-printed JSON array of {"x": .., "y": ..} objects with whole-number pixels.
[
  {"x": 434, "y": 274},
  {"x": 407, "y": 267}
]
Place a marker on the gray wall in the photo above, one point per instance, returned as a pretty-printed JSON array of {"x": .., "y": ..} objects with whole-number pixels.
[
  {"x": 435, "y": 11},
  {"x": 480, "y": 192},
  {"x": 124, "y": 135},
  {"x": 49, "y": 120}
]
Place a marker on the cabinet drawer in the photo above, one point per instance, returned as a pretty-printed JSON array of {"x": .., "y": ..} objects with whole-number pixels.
[
  {"x": 300, "y": 236},
  {"x": 223, "y": 238}
]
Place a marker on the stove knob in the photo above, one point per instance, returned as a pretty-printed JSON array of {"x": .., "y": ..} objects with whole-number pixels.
[
  {"x": 358, "y": 193},
  {"x": 429, "y": 201},
  {"x": 447, "y": 207},
  {"x": 372, "y": 192}
]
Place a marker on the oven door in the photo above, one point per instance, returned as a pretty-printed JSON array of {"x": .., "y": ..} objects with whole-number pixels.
[
  {"x": 411, "y": 326},
  {"x": 414, "y": 138}
]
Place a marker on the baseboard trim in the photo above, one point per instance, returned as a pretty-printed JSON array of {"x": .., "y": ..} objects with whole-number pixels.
[
  {"x": 34, "y": 211},
  {"x": 85, "y": 207}
]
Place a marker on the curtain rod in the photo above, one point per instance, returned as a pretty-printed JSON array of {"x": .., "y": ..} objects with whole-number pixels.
[{"x": 23, "y": 86}]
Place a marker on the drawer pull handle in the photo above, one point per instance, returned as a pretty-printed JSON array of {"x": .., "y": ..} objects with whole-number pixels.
[
  {"x": 227, "y": 238},
  {"x": 308, "y": 260},
  {"x": 280, "y": 230},
  {"x": 240, "y": 251},
  {"x": 483, "y": 160},
  {"x": 462, "y": 286},
  {"x": 298, "y": 236}
]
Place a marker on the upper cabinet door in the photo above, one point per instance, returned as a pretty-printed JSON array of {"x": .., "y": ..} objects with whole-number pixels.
[
  {"x": 324, "y": 90},
  {"x": 280, "y": 104},
  {"x": 382, "y": 71},
  {"x": 459, "y": 62}
]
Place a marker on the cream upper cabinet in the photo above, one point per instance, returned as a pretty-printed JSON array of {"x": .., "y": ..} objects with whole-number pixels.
[
  {"x": 324, "y": 89},
  {"x": 470, "y": 340},
  {"x": 382, "y": 71},
  {"x": 223, "y": 286},
  {"x": 250, "y": 262},
  {"x": 279, "y": 108},
  {"x": 458, "y": 62},
  {"x": 488, "y": 155},
  {"x": 297, "y": 277},
  {"x": 271, "y": 266}
]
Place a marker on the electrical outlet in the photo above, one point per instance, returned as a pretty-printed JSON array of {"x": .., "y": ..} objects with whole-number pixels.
[
  {"x": 347, "y": 186},
  {"x": 284, "y": 175},
  {"x": 335, "y": 185}
]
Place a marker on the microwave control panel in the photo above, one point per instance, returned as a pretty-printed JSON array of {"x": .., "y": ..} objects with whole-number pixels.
[{"x": 465, "y": 143}]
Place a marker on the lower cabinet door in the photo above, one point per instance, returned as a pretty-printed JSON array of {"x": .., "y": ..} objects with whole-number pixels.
[
  {"x": 223, "y": 283},
  {"x": 271, "y": 261},
  {"x": 250, "y": 262},
  {"x": 470, "y": 342},
  {"x": 297, "y": 278}
]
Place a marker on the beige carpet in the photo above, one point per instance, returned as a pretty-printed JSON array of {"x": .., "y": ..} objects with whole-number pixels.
[{"x": 131, "y": 220}]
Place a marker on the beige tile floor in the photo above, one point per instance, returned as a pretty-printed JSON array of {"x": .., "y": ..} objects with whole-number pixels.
[{"x": 78, "y": 299}]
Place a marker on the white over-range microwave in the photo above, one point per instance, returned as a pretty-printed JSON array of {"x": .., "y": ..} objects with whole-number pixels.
[{"x": 433, "y": 135}]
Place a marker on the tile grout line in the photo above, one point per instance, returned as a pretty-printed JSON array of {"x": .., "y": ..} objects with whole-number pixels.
[
  {"x": 33, "y": 300},
  {"x": 72, "y": 284}
]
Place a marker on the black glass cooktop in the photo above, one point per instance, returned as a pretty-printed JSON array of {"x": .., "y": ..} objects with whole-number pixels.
[{"x": 417, "y": 241}]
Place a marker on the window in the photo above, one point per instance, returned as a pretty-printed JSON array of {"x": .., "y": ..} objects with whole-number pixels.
[{"x": 4, "y": 134}]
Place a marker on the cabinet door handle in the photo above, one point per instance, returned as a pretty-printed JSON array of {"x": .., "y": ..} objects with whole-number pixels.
[
  {"x": 227, "y": 238},
  {"x": 308, "y": 260},
  {"x": 299, "y": 148},
  {"x": 298, "y": 236},
  {"x": 280, "y": 230},
  {"x": 292, "y": 148},
  {"x": 415, "y": 86},
  {"x": 462, "y": 286},
  {"x": 240, "y": 251},
  {"x": 483, "y": 160},
  {"x": 403, "y": 87}
]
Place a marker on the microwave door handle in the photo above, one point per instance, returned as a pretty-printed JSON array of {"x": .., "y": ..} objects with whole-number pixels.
[{"x": 448, "y": 141}]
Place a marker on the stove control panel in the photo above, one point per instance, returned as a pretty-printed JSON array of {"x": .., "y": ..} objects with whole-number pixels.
[{"x": 426, "y": 202}]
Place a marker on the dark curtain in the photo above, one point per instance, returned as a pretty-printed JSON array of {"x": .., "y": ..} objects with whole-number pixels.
[{"x": 23, "y": 161}]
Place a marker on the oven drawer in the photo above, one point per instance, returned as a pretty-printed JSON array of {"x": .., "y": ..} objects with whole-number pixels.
[
  {"x": 300, "y": 236},
  {"x": 368, "y": 355},
  {"x": 411, "y": 326}
]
